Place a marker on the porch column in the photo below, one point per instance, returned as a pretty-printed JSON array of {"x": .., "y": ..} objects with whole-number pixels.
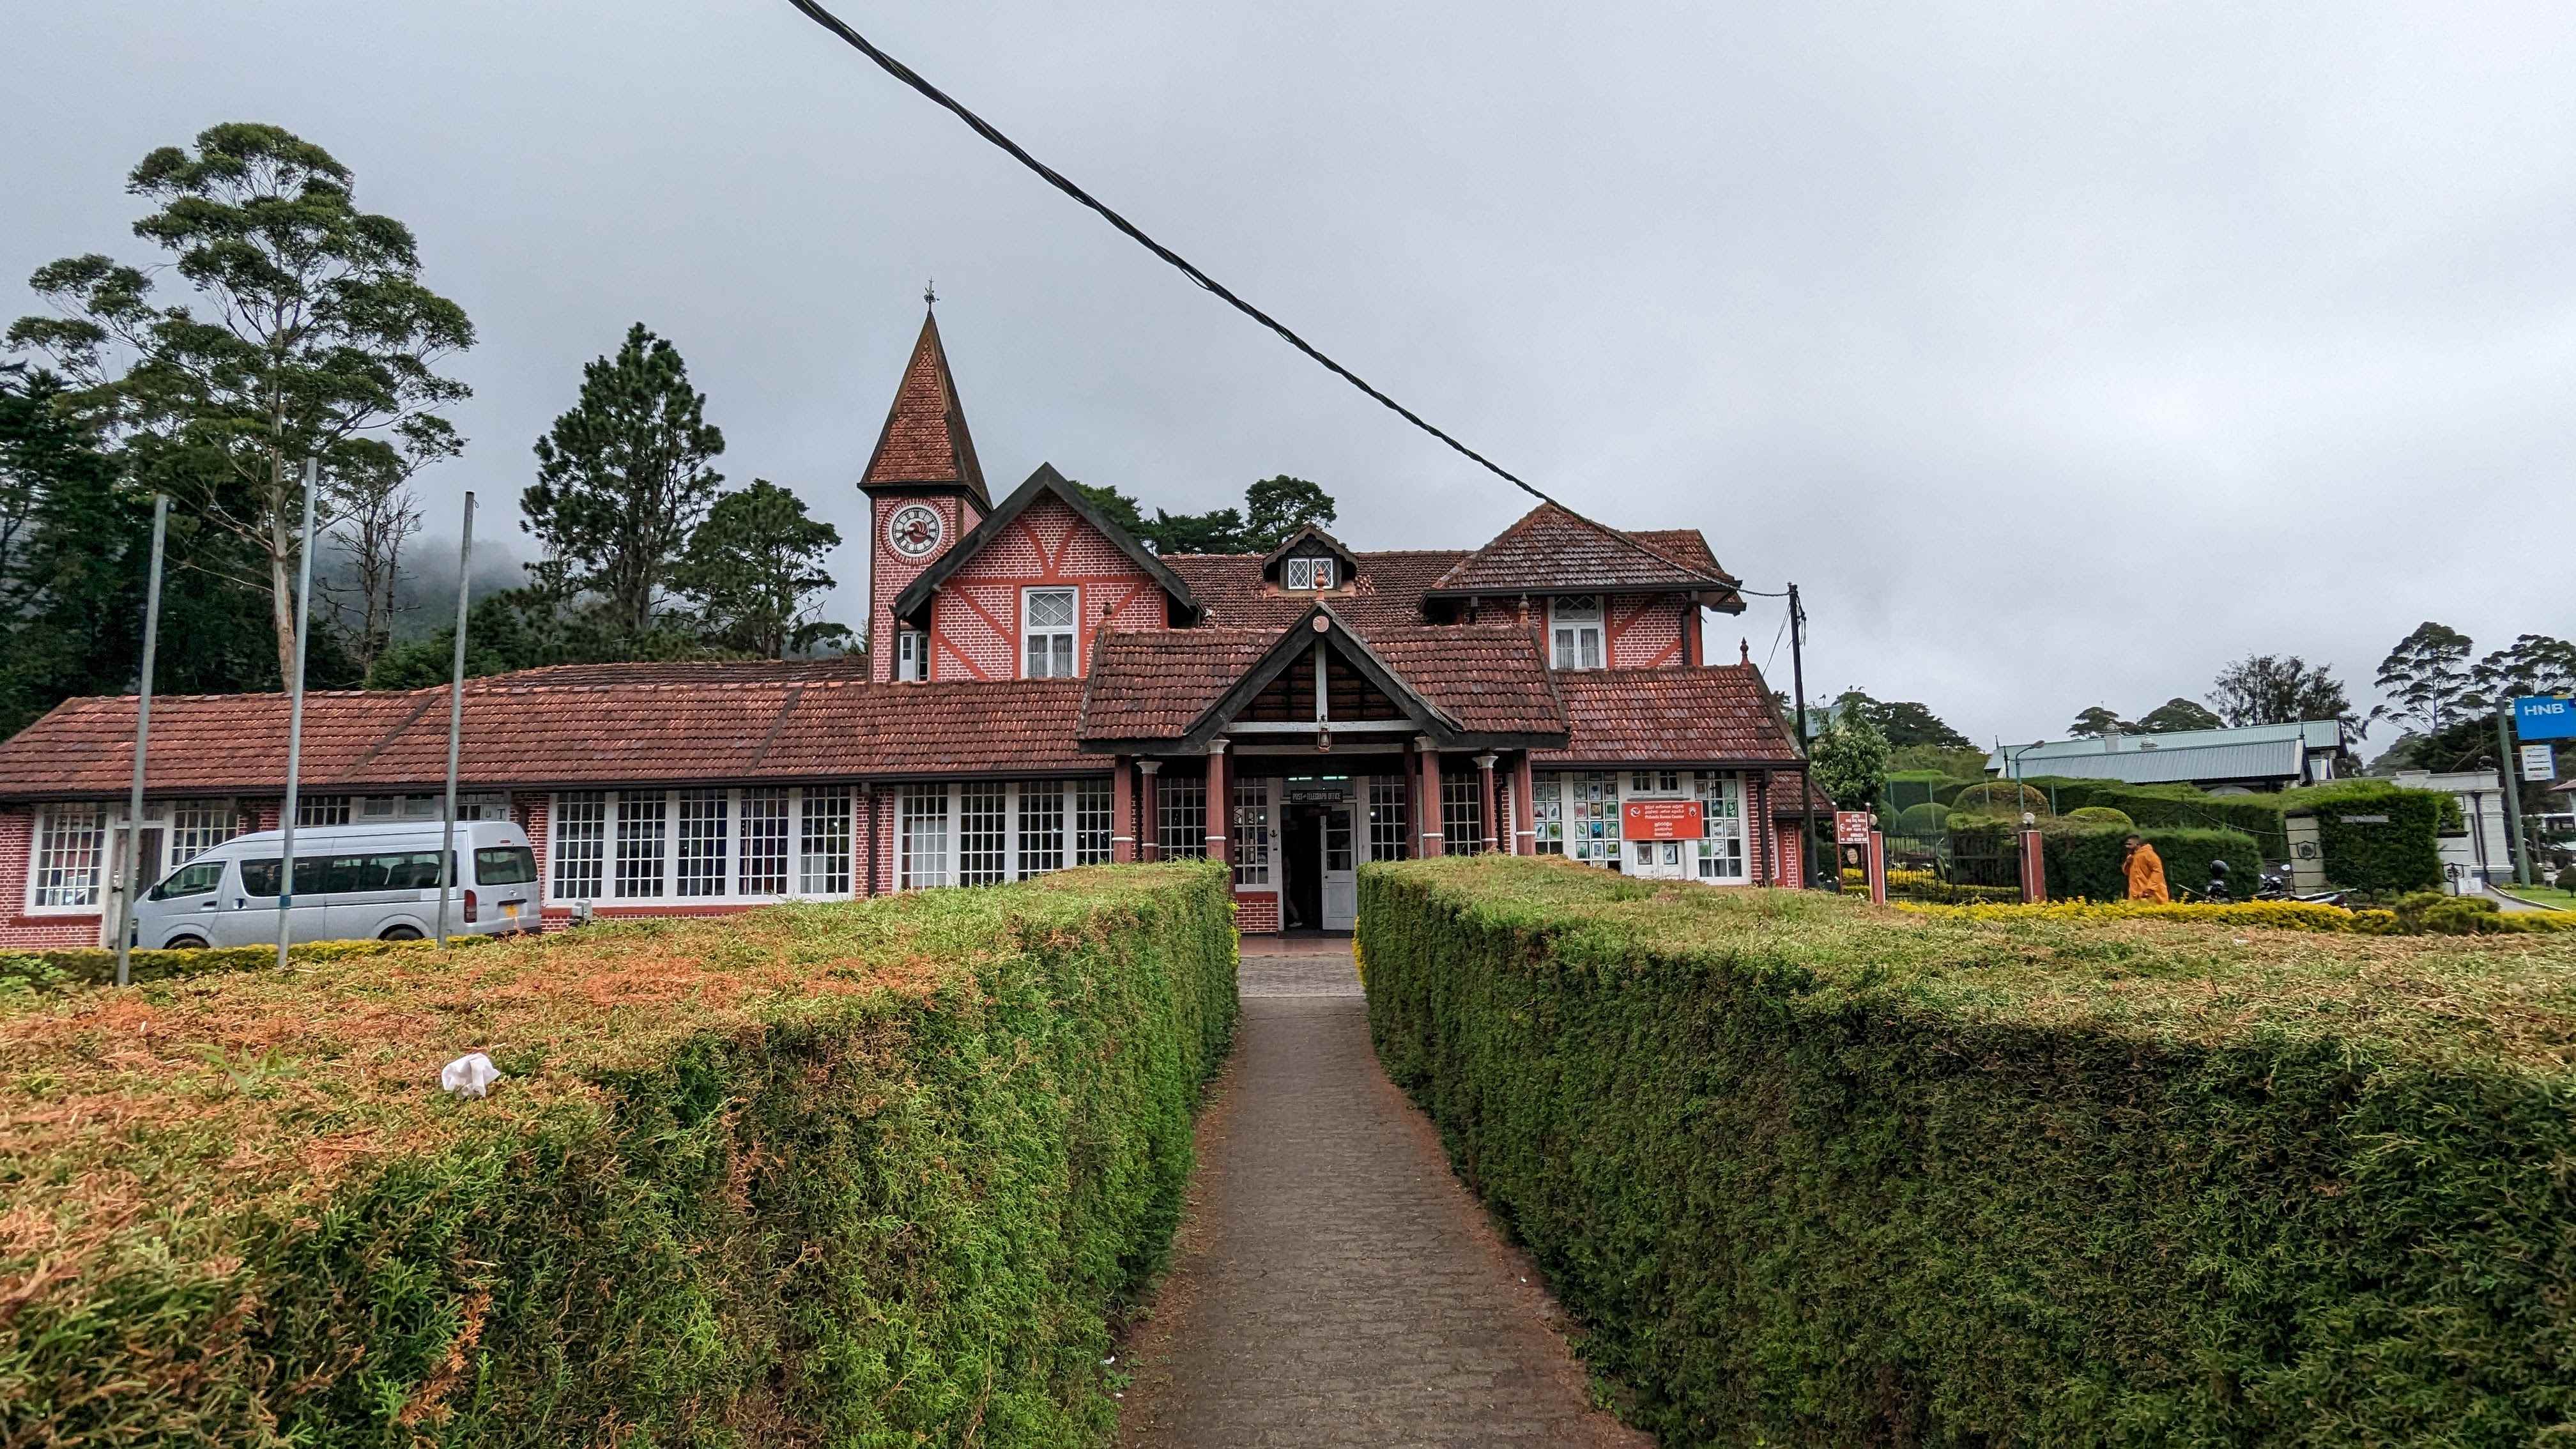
[
  {"x": 1493, "y": 806},
  {"x": 1220, "y": 802},
  {"x": 1429, "y": 822},
  {"x": 1149, "y": 812},
  {"x": 1122, "y": 811},
  {"x": 1524, "y": 808}
]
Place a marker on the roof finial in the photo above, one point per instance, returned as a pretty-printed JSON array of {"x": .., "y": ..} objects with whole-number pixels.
[
  {"x": 930, "y": 293},
  {"x": 1745, "y": 647}
]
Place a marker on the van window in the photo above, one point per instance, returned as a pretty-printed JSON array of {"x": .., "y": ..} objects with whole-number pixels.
[
  {"x": 259, "y": 877},
  {"x": 195, "y": 878},
  {"x": 505, "y": 865},
  {"x": 384, "y": 870}
]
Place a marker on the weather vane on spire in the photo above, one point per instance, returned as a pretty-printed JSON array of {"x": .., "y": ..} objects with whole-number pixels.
[{"x": 930, "y": 293}]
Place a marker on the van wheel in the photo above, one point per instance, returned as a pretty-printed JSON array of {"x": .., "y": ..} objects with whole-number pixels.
[
  {"x": 400, "y": 933},
  {"x": 184, "y": 943}
]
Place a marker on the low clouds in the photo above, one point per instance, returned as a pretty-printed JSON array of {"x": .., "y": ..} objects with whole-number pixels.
[{"x": 2059, "y": 355}]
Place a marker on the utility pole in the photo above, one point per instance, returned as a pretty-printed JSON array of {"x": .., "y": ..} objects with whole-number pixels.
[
  {"x": 2511, "y": 770},
  {"x": 1806, "y": 774},
  {"x": 142, "y": 746},
  {"x": 295, "y": 718},
  {"x": 455, "y": 722}
]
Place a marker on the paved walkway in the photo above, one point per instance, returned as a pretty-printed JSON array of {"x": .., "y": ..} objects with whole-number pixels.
[{"x": 1334, "y": 1284}]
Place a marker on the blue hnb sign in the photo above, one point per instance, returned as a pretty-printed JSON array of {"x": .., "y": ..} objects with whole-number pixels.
[{"x": 2544, "y": 717}]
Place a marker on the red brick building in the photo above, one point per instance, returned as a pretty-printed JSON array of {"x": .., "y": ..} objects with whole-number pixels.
[{"x": 1045, "y": 692}]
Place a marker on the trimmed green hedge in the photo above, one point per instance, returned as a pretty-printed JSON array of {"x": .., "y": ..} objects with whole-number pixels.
[
  {"x": 1814, "y": 1173},
  {"x": 2089, "y": 861},
  {"x": 2403, "y": 854},
  {"x": 866, "y": 1174},
  {"x": 96, "y": 966}
]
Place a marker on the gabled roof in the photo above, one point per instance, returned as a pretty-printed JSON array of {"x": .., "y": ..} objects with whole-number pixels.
[
  {"x": 1465, "y": 685},
  {"x": 925, "y": 441},
  {"x": 914, "y": 602},
  {"x": 1552, "y": 549},
  {"x": 1308, "y": 535},
  {"x": 1721, "y": 714}
]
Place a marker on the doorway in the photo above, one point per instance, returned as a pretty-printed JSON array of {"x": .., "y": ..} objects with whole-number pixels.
[{"x": 1302, "y": 901}]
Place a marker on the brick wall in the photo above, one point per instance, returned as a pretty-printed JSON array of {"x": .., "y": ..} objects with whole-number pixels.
[
  {"x": 18, "y": 928},
  {"x": 1644, "y": 631},
  {"x": 1256, "y": 912},
  {"x": 975, "y": 622},
  {"x": 889, "y": 572}
]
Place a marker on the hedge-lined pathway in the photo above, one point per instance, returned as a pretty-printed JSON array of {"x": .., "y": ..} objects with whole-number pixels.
[{"x": 1334, "y": 1283}]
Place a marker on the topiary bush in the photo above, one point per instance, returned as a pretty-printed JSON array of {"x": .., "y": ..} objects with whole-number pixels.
[
  {"x": 2102, "y": 815},
  {"x": 1924, "y": 819},
  {"x": 1810, "y": 1173},
  {"x": 2090, "y": 863},
  {"x": 2003, "y": 798},
  {"x": 871, "y": 1173}
]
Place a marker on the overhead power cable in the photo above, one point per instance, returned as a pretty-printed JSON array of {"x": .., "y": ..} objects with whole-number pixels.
[{"x": 1056, "y": 179}]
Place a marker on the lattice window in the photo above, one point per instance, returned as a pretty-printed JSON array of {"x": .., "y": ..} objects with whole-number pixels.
[
  {"x": 321, "y": 810},
  {"x": 1183, "y": 805},
  {"x": 1389, "y": 823},
  {"x": 1547, "y": 812},
  {"x": 1306, "y": 573},
  {"x": 823, "y": 842},
  {"x": 1575, "y": 623},
  {"x": 1721, "y": 827},
  {"x": 983, "y": 834},
  {"x": 71, "y": 843},
  {"x": 1041, "y": 827},
  {"x": 1251, "y": 840},
  {"x": 1047, "y": 631},
  {"x": 1592, "y": 819},
  {"x": 1095, "y": 820},
  {"x": 581, "y": 844},
  {"x": 1462, "y": 814},
  {"x": 761, "y": 823},
  {"x": 641, "y": 817},
  {"x": 704, "y": 853},
  {"x": 923, "y": 833},
  {"x": 197, "y": 826}
]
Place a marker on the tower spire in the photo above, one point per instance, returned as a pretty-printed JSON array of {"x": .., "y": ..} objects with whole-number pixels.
[{"x": 925, "y": 442}]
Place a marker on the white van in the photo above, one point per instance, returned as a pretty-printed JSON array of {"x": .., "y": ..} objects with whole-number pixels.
[{"x": 352, "y": 882}]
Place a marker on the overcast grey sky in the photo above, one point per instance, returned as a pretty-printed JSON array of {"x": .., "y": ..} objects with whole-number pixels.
[{"x": 2059, "y": 352}]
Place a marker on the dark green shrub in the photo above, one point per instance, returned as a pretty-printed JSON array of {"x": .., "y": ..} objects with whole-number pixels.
[
  {"x": 2102, "y": 815},
  {"x": 2090, "y": 863},
  {"x": 2567, "y": 879},
  {"x": 1906, "y": 789},
  {"x": 863, "y": 1174},
  {"x": 2004, "y": 799},
  {"x": 1924, "y": 819},
  {"x": 1808, "y": 1174},
  {"x": 2400, "y": 854}
]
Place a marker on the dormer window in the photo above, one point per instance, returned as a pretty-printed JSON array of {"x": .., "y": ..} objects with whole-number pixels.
[
  {"x": 1574, "y": 622},
  {"x": 1047, "y": 632},
  {"x": 1299, "y": 575}
]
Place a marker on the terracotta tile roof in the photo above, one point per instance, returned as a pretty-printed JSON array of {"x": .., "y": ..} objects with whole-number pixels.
[
  {"x": 1489, "y": 679},
  {"x": 925, "y": 438},
  {"x": 538, "y": 728},
  {"x": 1679, "y": 714},
  {"x": 1386, "y": 589},
  {"x": 1554, "y": 549}
]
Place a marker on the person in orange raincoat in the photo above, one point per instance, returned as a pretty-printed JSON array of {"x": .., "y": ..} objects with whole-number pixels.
[{"x": 2146, "y": 872}]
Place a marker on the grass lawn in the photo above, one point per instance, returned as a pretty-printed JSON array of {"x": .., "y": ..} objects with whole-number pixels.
[{"x": 2539, "y": 895}]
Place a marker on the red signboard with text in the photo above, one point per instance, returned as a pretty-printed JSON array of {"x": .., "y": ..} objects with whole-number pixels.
[
  {"x": 1851, "y": 827},
  {"x": 1660, "y": 820}
]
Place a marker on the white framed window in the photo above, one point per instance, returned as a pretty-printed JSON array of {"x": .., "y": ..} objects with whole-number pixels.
[
  {"x": 1182, "y": 803},
  {"x": 1574, "y": 622},
  {"x": 1721, "y": 828},
  {"x": 1654, "y": 782},
  {"x": 1389, "y": 834},
  {"x": 760, "y": 826},
  {"x": 579, "y": 821},
  {"x": 487, "y": 805},
  {"x": 1042, "y": 839},
  {"x": 321, "y": 810},
  {"x": 197, "y": 826},
  {"x": 1047, "y": 632},
  {"x": 911, "y": 655},
  {"x": 1462, "y": 814},
  {"x": 823, "y": 841},
  {"x": 71, "y": 851},
  {"x": 1306, "y": 573},
  {"x": 983, "y": 833},
  {"x": 1251, "y": 840},
  {"x": 1579, "y": 817},
  {"x": 921, "y": 833},
  {"x": 643, "y": 844},
  {"x": 705, "y": 856},
  {"x": 1095, "y": 815}
]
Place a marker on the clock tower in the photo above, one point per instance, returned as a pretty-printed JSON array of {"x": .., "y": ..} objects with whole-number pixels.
[{"x": 925, "y": 490}]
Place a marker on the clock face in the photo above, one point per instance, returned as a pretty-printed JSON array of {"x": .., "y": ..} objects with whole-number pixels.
[{"x": 914, "y": 530}]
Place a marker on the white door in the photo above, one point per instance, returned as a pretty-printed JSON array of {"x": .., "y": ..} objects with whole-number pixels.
[
  {"x": 1660, "y": 859},
  {"x": 1341, "y": 873}
]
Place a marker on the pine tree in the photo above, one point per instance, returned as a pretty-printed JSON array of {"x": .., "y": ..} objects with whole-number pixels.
[{"x": 754, "y": 571}]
